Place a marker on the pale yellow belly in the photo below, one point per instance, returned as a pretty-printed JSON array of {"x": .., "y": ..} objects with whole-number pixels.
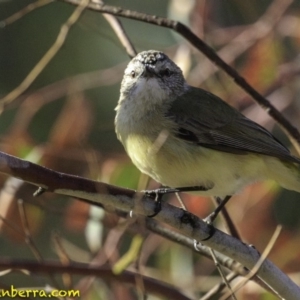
[{"x": 178, "y": 164}]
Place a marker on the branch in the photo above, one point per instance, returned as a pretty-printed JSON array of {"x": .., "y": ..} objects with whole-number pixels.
[
  {"x": 21, "y": 13},
  {"x": 117, "y": 27},
  {"x": 125, "y": 200},
  {"x": 183, "y": 30},
  {"x": 44, "y": 61},
  {"x": 245, "y": 39},
  {"x": 152, "y": 286}
]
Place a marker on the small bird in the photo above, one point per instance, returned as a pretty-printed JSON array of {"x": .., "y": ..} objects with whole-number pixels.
[{"x": 183, "y": 136}]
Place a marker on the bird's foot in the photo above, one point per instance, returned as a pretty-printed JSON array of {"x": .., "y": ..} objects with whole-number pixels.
[{"x": 157, "y": 195}]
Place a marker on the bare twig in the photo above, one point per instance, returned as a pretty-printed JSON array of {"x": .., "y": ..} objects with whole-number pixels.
[
  {"x": 216, "y": 290},
  {"x": 138, "y": 266},
  {"x": 117, "y": 26},
  {"x": 130, "y": 256},
  {"x": 11, "y": 225},
  {"x": 39, "y": 67},
  {"x": 227, "y": 219},
  {"x": 28, "y": 239},
  {"x": 7, "y": 196},
  {"x": 107, "y": 253},
  {"x": 180, "y": 201},
  {"x": 120, "y": 32},
  {"x": 224, "y": 279},
  {"x": 153, "y": 286},
  {"x": 286, "y": 73},
  {"x": 21, "y": 13},
  {"x": 255, "y": 269},
  {"x": 64, "y": 258},
  {"x": 244, "y": 40}
]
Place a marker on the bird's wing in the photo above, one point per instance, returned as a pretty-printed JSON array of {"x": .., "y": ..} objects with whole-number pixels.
[{"x": 208, "y": 121}]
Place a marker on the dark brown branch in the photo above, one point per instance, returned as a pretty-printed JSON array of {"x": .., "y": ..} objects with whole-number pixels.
[
  {"x": 152, "y": 286},
  {"x": 52, "y": 180},
  {"x": 206, "y": 50}
]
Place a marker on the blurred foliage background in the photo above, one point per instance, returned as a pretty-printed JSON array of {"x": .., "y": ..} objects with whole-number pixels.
[{"x": 65, "y": 121}]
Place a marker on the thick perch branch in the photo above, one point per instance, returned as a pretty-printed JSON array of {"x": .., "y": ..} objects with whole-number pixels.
[
  {"x": 112, "y": 197},
  {"x": 52, "y": 180}
]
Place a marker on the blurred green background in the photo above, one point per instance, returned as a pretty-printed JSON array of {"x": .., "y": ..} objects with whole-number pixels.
[{"x": 65, "y": 121}]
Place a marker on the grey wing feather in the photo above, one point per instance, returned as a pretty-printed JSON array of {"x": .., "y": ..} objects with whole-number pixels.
[{"x": 210, "y": 122}]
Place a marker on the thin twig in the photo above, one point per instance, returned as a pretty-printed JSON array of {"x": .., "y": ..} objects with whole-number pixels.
[
  {"x": 64, "y": 259},
  {"x": 286, "y": 73},
  {"x": 257, "y": 266},
  {"x": 117, "y": 26},
  {"x": 48, "y": 56},
  {"x": 120, "y": 32},
  {"x": 227, "y": 219},
  {"x": 153, "y": 286},
  {"x": 224, "y": 279},
  {"x": 217, "y": 289},
  {"x": 106, "y": 253},
  {"x": 8, "y": 194},
  {"x": 139, "y": 269},
  {"x": 11, "y": 225},
  {"x": 180, "y": 201},
  {"x": 24, "y": 11},
  {"x": 244, "y": 40},
  {"x": 132, "y": 255},
  {"x": 28, "y": 239}
]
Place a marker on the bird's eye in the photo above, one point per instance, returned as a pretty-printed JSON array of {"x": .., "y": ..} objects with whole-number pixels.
[
  {"x": 132, "y": 74},
  {"x": 165, "y": 72}
]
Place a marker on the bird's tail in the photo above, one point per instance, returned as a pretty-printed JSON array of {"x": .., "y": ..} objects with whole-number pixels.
[{"x": 287, "y": 174}]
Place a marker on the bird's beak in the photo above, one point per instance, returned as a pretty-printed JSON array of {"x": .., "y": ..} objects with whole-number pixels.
[{"x": 149, "y": 71}]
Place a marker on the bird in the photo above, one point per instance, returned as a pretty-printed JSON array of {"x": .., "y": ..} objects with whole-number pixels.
[{"x": 184, "y": 136}]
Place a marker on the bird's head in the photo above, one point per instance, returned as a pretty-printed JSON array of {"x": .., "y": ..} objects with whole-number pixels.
[{"x": 152, "y": 75}]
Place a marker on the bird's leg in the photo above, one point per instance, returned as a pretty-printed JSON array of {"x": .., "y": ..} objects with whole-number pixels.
[
  {"x": 168, "y": 190},
  {"x": 158, "y": 194},
  {"x": 158, "y": 200},
  {"x": 197, "y": 188}
]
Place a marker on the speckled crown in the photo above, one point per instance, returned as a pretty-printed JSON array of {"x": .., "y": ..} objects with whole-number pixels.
[{"x": 150, "y": 57}]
